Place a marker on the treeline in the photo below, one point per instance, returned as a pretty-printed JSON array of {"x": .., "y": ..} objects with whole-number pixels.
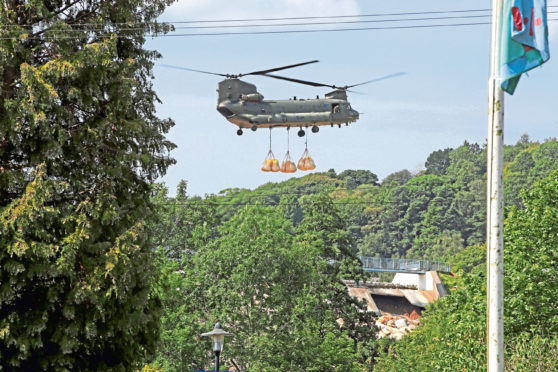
[
  {"x": 268, "y": 264},
  {"x": 432, "y": 214},
  {"x": 277, "y": 287},
  {"x": 452, "y": 335}
]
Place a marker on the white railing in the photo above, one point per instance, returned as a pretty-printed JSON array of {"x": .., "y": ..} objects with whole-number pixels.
[{"x": 402, "y": 265}]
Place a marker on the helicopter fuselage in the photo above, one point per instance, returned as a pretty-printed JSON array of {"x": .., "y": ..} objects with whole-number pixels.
[{"x": 241, "y": 104}]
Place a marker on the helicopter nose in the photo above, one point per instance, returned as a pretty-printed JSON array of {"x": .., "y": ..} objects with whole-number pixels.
[{"x": 354, "y": 115}]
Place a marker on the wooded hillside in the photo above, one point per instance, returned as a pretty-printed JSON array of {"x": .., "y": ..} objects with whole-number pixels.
[
  {"x": 268, "y": 263},
  {"x": 432, "y": 214}
]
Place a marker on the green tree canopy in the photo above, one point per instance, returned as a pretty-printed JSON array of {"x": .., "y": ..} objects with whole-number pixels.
[
  {"x": 273, "y": 288},
  {"x": 79, "y": 146},
  {"x": 531, "y": 260},
  {"x": 358, "y": 177},
  {"x": 438, "y": 161},
  {"x": 181, "y": 218},
  {"x": 452, "y": 335},
  {"x": 399, "y": 177}
]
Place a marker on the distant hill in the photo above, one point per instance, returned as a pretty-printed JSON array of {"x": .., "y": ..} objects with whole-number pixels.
[{"x": 432, "y": 214}]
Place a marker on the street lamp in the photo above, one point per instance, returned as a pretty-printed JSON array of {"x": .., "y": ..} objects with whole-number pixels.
[{"x": 218, "y": 338}]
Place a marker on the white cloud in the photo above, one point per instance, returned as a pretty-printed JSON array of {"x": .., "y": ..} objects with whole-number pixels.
[{"x": 242, "y": 9}]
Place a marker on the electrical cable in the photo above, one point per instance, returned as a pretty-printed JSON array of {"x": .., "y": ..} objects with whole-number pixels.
[
  {"x": 60, "y": 33},
  {"x": 240, "y": 204},
  {"x": 289, "y": 18},
  {"x": 278, "y": 24},
  {"x": 301, "y": 193},
  {"x": 345, "y": 16},
  {"x": 284, "y": 18},
  {"x": 55, "y": 37},
  {"x": 311, "y": 17}
]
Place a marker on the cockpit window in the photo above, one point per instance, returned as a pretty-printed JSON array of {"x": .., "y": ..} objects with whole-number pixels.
[{"x": 335, "y": 108}]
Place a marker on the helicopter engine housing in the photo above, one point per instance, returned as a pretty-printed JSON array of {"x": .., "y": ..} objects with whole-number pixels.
[
  {"x": 233, "y": 89},
  {"x": 252, "y": 97}
]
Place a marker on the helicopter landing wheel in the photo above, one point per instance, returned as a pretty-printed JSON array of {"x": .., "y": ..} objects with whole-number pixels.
[
  {"x": 254, "y": 128},
  {"x": 239, "y": 132},
  {"x": 339, "y": 125},
  {"x": 315, "y": 129},
  {"x": 301, "y": 133}
]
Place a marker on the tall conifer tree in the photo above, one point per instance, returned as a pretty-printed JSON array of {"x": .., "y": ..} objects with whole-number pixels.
[{"x": 79, "y": 146}]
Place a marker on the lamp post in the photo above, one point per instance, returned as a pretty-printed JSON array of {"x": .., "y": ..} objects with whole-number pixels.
[{"x": 218, "y": 338}]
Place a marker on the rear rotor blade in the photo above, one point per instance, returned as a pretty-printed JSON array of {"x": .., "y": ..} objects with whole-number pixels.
[
  {"x": 190, "y": 69},
  {"x": 300, "y": 81},
  {"x": 263, "y": 72},
  {"x": 378, "y": 79},
  {"x": 346, "y": 87}
]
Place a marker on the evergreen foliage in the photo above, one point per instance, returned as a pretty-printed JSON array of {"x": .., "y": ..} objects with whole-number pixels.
[
  {"x": 79, "y": 146},
  {"x": 180, "y": 219}
]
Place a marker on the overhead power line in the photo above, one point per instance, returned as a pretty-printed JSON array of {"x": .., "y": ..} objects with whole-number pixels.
[
  {"x": 131, "y": 24},
  {"x": 62, "y": 37},
  {"x": 279, "y": 24},
  {"x": 266, "y": 196},
  {"x": 335, "y": 22},
  {"x": 334, "y": 16},
  {"x": 241, "y": 204},
  {"x": 332, "y": 30},
  {"x": 344, "y": 16},
  {"x": 282, "y": 18},
  {"x": 121, "y": 31}
]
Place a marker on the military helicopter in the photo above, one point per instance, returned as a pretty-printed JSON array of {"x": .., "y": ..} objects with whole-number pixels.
[{"x": 241, "y": 104}]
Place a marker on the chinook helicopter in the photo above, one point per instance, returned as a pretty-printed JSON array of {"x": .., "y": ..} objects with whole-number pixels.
[{"x": 241, "y": 104}]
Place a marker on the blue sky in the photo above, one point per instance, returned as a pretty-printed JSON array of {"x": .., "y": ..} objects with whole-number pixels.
[{"x": 439, "y": 103}]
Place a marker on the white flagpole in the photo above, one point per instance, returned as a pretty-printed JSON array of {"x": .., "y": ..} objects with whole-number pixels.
[{"x": 495, "y": 205}]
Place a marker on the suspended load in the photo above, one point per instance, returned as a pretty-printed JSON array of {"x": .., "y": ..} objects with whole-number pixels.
[
  {"x": 288, "y": 166},
  {"x": 270, "y": 164},
  {"x": 306, "y": 162}
]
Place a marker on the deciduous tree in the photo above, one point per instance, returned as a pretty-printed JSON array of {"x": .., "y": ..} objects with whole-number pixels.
[{"x": 271, "y": 288}]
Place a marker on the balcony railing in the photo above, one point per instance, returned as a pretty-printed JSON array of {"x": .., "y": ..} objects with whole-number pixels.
[{"x": 402, "y": 265}]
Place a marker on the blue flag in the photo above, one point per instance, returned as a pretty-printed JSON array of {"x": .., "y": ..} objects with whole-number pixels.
[{"x": 523, "y": 40}]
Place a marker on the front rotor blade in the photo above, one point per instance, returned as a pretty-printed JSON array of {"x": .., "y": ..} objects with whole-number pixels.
[
  {"x": 263, "y": 72},
  {"x": 300, "y": 81},
  {"x": 378, "y": 79},
  {"x": 357, "y": 92},
  {"x": 189, "y": 69}
]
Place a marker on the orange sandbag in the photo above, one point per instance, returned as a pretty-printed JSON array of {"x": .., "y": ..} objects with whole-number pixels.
[
  {"x": 275, "y": 165},
  {"x": 270, "y": 164},
  {"x": 266, "y": 165},
  {"x": 291, "y": 167},
  {"x": 306, "y": 162},
  {"x": 288, "y": 167},
  {"x": 309, "y": 163},
  {"x": 302, "y": 164}
]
